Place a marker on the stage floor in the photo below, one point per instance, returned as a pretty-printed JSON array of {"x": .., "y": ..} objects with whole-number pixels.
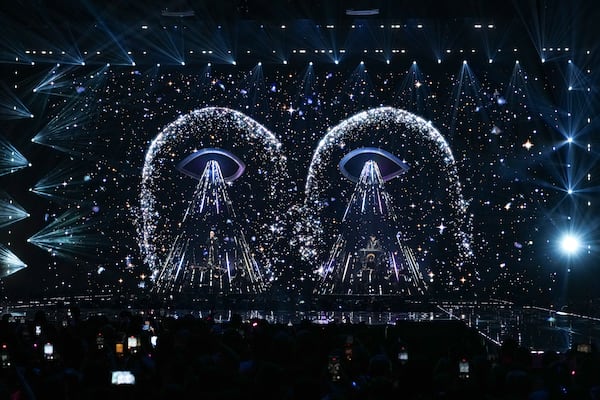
[{"x": 534, "y": 327}]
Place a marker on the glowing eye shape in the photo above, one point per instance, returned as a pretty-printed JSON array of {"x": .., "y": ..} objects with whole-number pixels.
[
  {"x": 389, "y": 165},
  {"x": 194, "y": 164}
]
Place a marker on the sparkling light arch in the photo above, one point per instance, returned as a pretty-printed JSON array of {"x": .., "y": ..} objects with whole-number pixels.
[
  {"x": 405, "y": 135},
  {"x": 164, "y": 188}
]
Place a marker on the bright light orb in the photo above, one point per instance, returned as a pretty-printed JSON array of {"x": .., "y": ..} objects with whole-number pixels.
[{"x": 570, "y": 244}]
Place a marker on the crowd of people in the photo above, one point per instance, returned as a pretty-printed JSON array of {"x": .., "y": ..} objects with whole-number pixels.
[{"x": 140, "y": 355}]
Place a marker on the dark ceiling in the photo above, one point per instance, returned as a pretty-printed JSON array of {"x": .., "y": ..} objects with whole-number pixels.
[
  {"x": 32, "y": 12},
  {"x": 35, "y": 14},
  {"x": 38, "y": 24}
]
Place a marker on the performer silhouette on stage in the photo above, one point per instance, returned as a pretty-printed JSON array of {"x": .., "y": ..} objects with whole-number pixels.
[
  {"x": 373, "y": 243},
  {"x": 371, "y": 258},
  {"x": 372, "y": 250},
  {"x": 212, "y": 248}
]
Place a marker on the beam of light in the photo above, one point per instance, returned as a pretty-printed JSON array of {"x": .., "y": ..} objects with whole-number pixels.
[
  {"x": 220, "y": 45},
  {"x": 250, "y": 88},
  {"x": 167, "y": 43},
  {"x": 546, "y": 25},
  {"x": 307, "y": 87},
  {"x": 64, "y": 182},
  {"x": 359, "y": 85},
  {"x": 112, "y": 49},
  {"x": 571, "y": 126},
  {"x": 413, "y": 91},
  {"x": 10, "y": 211},
  {"x": 71, "y": 129},
  {"x": 578, "y": 106},
  {"x": 466, "y": 90},
  {"x": 567, "y": 173},
  {"x": 319, "y": 37},
  {"x": 516, "y": 91},
  {"x": 10, "y": 105},
  {"x": 11, "y": 160},
  {"x": 9, "y": 262},
  {"x": 55, "y": 55},
  {"x": 53, "y": 80},
  {"x": 59, "y": 39},
  {"x": 71, "y": 234},
  {"x": 577, "y": 79},
  {"x": 491, "y": 42}
]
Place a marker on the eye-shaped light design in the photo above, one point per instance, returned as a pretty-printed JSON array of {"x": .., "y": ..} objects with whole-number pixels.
[
  {"x": 389, "y": 165},
  {"x": 194, "y": 164}
]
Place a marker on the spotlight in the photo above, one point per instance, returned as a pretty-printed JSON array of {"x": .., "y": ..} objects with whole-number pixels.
[
  {"x": 570, "y": 244},
  {"x": 464, "y": 62},
  {"x": 260, "y": 63},
  {"x": 336, "y": 62}
]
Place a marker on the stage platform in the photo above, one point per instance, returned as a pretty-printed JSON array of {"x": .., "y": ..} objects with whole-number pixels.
[{"x": 537, "y": 328}]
